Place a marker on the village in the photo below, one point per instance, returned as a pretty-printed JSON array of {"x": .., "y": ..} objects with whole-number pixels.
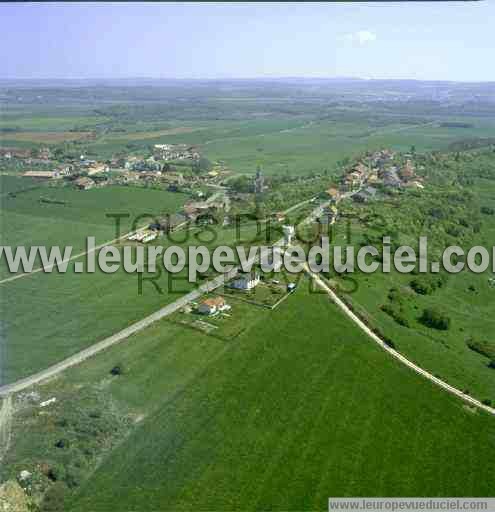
[
  {"x": 213, "y": 197},
  {"x": 146, "y": 169}
]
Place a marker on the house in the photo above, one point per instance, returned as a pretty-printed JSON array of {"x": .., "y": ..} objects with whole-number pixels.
[
  {"x": 366, "y": 195},
  {"x": 333, "y": 194},
  {"x": 97, "y": 168},
  {"x": 194, "y": 209},
  {"x": 144, "y": 236},
  {"x": 65, "y": 169},
  {"x": 407, "y": 172},
  {"x": 131, "y": 162},
  {"x": 84, "y": 183},
  {"x": 42, "y": 174},
  {"x": 212, "y": 306},
  {"x": 391, "y": 178},
  {"x": 414, "y": 184},
  {"x": 44, "y": 153},
  {"x": 328, "y": 216},
  {"x": 169, "y": 222},
  {"x": 246, "y": 281}
]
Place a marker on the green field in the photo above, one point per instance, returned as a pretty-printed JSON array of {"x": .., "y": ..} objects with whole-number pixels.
[
  {"x": 253, "y": 409},
  {"x": 73, "y": 215},
  {"x": 281, "y": 418},
  {"x": 49, "y": 316},
  {"x": 449, "y": 215}
]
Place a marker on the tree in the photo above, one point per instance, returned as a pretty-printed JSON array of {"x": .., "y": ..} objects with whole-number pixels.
[{"x": 435, "y": 318}]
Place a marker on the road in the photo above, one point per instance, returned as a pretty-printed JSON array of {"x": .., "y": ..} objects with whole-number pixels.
[
  {"x": 81, "y": 356},
  {"x": 98, "y": 347},
  {"x": 5, "y": 425},
  {"x": 52, "y": 371},
  {"x": 397, "y": 355},
  {"x": 74, "y": 257}
]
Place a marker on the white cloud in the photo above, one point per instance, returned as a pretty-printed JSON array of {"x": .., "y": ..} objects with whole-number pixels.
[{"x": 362, "y": 37}]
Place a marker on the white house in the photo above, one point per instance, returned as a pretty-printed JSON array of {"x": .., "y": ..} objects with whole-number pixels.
[
  {"x": 246, "y": 281},
  {"x": 289, "y": 233}
]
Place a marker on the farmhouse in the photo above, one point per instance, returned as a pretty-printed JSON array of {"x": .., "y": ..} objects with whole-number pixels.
[
  {"x": 213, "y": 305},
  {"x": 246, "y": 281}
]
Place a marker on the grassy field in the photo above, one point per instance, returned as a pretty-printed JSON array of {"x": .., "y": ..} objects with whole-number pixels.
[
  {"x": 45, "y": 137},
  {"x": 49, "y": 316},
  {"x": 466, "y": 298},
  {"x": 72, "y": 215},
  {"x": 281, "y": 418}
]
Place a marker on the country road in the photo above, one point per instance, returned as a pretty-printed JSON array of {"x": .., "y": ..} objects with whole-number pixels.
[
  {"x": 74, "y": 257},
  {"x": 123, "y": 237},
  {"x": 394, "y": 353},
  {"x": 81, "y": 356},
  {"x": 37, "y": 378},
  {"x": 5, "y": 424}
]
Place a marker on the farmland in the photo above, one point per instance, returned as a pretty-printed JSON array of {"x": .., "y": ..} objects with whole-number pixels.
[
  {"x": 280, "y": 401},
  {"x": 287, "y": 128},
  {"x": 278, "y": 418},
  {"x": 71, "y": 216},
  {"x": 49, "y": 316}
]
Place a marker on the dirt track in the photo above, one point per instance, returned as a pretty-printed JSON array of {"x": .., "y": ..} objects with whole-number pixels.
[{"x": 397, "y": 355}]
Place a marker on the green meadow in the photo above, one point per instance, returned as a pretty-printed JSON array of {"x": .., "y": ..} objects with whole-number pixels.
[
  {"x": 50, "y": 216},
  {"x": 299, "y": 407},
  {"x": 47, "y": 317},
  {"x": 394, "y": 302}
]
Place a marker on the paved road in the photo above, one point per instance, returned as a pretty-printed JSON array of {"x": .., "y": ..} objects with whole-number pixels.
[
  {"x": 451, "y": 389},
  {"x": 7, "y": 390},
  {"x": 5, "y": 419},
  {"x": 81, "y": 356}
]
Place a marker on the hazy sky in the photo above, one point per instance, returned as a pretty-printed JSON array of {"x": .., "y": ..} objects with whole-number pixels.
[{"x": 448, "y": 40}]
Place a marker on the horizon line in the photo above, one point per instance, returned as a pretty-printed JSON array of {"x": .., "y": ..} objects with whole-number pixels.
[{"x": 246, "y": 78}]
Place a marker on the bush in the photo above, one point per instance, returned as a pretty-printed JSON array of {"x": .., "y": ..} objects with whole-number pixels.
[
  {"x": 487, "y": 210},
  {"x": 395, "y": 314},
  {"x": 56, "y": 473},
  {"x": 62, "y": 443},
  {"x": 436, "y": 319},
  {"x": 485, "y": 348},
  {"x": 117, "y": 370},
  {"x": 427, "y": 284},
  {"x": 487, "y": 401},
  {"x": 54, "y": 498}
]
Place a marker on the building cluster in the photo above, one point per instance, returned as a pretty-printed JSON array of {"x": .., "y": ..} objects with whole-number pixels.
[
  {"x": 195, "y": 210},
  {"x": 381, "y": 169},
  {"x": 171, "y": 152},
  {"x": 84, "y": 173}
]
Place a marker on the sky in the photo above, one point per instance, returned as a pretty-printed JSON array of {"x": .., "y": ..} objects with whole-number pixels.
[{"x": 418, "y": 40}]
